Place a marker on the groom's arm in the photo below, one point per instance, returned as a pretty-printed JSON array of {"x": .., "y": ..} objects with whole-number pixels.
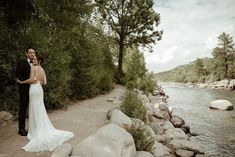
[
  {"x": 31, "y": 78},
  {"x": 18, "y": 71}
]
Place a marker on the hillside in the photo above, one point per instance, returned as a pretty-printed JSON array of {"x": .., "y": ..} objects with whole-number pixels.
[{"x": 184, "y": 73}]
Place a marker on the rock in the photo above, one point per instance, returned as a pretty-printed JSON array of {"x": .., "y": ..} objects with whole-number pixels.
[
  {"x": 110, "y": 100},
  {"x": 157, "y": 113},
  {"x": 160, "y": 150},
  {"x": 110, "y": 111},
  {"x": 149, "y": 108},
  {"x": 231, "y": 84},
  {"x": 119, "y": 118},
  {"x": 177, "y": 121},
  {"x": 63, "y": 150},
  {"x": 153, "y": 99},
  {"x": 166, "y": 115},
  {"x": 202, "y": 85},
  {"x": 194, "y": 134},
  {"x": 186, "y": 145},
  {"x": 164, "y": 107},
  {"x": 143, "y": 154},
  {"x": 185, "y": 128},
  {"x": 223, "y": 84},
  {"x": 184, "y": 153},
  {"x": 221, "y": 105},
  {"x": 176, "y": 133},
  {"x": 110, "y": 140},
  {"x": 201, "y": 155},
  {"x": 5, "y": 118},
  {"x": 167, "y": 125},
  {"x": 170, "y": 155},
  {"x": 160, "y": 139},
  {"x": 157, "y": 128}
]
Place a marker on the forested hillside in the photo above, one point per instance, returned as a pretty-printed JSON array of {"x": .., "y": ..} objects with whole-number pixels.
[{"x": 221, "y": 66}]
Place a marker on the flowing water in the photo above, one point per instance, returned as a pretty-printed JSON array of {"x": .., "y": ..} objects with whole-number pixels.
[{"x": 216, "y": 128}]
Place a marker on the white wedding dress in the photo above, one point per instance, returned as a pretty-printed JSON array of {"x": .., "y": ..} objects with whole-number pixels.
[{"x": 42, "y": 135}]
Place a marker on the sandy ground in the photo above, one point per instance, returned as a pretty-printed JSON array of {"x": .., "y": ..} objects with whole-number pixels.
[{"x": 82, "y": 118}]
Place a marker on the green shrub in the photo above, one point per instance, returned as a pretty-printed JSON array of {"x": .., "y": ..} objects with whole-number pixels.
[
  {"x": 143, "y": 138},
  {"x": 133, "y": 107},
  {"x": 147, "y": 83},
  {"x": 106, "y": 80}
]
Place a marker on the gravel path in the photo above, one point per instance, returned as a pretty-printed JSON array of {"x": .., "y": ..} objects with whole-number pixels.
[{"x": 83, "y": 118}]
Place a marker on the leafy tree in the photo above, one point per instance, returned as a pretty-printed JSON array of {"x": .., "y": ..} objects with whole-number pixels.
[
  {"x": 134, "y": 66},
  {"x": 133, "y": 22}
]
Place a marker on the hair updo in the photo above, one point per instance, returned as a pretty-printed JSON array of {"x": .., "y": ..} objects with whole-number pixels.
[{"x": 40, "y": 59}]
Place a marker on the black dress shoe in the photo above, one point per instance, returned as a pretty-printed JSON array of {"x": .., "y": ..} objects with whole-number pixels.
[{"x": 22, "y": 132}]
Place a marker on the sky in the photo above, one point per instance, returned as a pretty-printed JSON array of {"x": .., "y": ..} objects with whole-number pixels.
[{"x": 190, "y": 31}]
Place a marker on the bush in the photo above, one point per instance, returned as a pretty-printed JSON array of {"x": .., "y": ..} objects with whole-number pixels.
[
  {"x": 143, "y": 138},
  {"x": 133, "y": 107},
  {"x": 147, "y": 83}
]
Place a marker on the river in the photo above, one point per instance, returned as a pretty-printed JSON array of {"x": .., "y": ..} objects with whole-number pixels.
[{"x": 216, "y": 128}]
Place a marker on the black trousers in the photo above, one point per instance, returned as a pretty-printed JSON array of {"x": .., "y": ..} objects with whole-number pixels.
[{"x": 24, "y": 101}]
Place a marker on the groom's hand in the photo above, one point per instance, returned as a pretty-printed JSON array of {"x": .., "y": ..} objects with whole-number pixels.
[{"x": 34, "y": 81}]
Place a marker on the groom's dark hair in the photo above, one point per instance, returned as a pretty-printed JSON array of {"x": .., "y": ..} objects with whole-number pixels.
[{"x": 26, "y": 50}]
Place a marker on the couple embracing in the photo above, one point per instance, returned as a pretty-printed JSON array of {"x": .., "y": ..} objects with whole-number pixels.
[{"x": 30, "y": 77}]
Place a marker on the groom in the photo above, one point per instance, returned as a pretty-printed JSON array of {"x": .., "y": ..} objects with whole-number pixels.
[{"x": 23, "y": 73}]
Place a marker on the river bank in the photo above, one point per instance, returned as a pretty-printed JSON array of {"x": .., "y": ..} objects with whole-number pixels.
[
  {"x": 88, "y": 118},
  {"x": 169, "y": 133},
  {"x": 215, "y": 128},
  {"x": 222, "y": 85}
]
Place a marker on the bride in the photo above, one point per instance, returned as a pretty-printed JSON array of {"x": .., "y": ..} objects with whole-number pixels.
[{"x": 42, "y": 135}]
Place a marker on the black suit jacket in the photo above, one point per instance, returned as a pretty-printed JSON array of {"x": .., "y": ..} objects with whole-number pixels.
[{"x": 22, "y": 73}]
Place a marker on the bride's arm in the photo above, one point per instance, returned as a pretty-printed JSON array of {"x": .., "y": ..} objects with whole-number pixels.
[
  {"x": 44, "y": 81},
  {"x": 31, "y": 78}
]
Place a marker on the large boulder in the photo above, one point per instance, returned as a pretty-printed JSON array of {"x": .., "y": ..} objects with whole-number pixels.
[
  {"x": 175, "y": 133},
  {"x": 221, "y": 105},
  {"x": 167, "y": 125},
  {"x": 186, "y": 145},
  {"x": 110, "y": 140},
  {"x": 143, "y": 154},
  {"x": 149, "y": 108},
  {"x": 185, "y": 128},
  {"x": 184, "y": 153},
  {"x": 177, "y": 121},
  {"x": 159, "y": 150},
  {"x": 157, "y": 128},
  {"x": 157, "y": 113},
  {"x": 119, "y": 118},
  {"x": 153, "y": 99}
]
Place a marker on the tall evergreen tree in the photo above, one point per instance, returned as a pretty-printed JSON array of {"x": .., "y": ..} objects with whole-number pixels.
[{"x": 224, "y": 57}]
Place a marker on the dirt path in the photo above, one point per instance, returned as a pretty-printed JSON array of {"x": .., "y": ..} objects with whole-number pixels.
[{"x": 82, "y": 118}]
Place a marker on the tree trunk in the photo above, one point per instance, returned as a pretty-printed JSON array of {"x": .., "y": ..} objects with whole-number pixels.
[{"x": 120, "y": 57}]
